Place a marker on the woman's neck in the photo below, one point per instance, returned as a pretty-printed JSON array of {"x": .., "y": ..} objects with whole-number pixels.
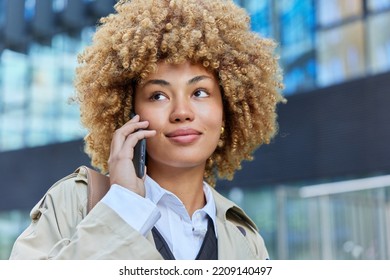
[{"x": 185, "y": 183}]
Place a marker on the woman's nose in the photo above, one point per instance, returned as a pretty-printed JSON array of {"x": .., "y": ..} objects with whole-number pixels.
[{"x": 182, "y": 111}]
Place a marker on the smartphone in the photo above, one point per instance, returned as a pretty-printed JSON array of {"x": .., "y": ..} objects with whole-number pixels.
[{"x": 139, "y": 157}]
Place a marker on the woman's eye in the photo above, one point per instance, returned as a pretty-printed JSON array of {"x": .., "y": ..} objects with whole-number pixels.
[
  {"x": 157, "y": 97},
  {"x": 201, "y": 93}
]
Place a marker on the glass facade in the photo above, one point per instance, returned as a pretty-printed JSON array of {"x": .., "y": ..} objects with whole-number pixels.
[
  {"x": 325, "y": 221},
  {"x": 324, "y": 42},
  {"x": 349, "y": 45},
  {"x": 321, "y": 43},
  {"x": 35, "y": 92}
]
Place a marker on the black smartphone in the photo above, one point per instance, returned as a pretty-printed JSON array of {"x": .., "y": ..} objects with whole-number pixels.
[{"x": 139, "y": 157}]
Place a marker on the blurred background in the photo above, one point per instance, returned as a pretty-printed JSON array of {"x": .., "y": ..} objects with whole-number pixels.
[{"x": 320, "y": 190}]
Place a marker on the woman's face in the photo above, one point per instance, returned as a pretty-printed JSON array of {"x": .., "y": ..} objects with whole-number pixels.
[{"x": 183, "y": 103}]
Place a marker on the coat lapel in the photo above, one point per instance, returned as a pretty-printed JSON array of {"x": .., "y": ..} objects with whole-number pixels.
[{"x": 232, "y": 243}]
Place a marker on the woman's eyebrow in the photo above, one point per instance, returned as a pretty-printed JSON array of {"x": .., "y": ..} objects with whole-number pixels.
[
  {"x": 161, "y": 82},
  {"x": 197, "y": 79},
  {"x": 157, "y": 82}
]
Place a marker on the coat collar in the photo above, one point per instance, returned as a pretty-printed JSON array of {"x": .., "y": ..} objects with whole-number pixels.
[
  {"x": 226, "y": 209},
  {"x": 232, "y": 240}
]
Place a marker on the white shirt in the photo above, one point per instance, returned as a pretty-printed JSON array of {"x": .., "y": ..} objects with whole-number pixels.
[{"x": 165, "y": 211}]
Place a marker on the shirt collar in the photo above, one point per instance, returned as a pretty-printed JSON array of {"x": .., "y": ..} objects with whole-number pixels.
[{"x": 155, "y": 193}]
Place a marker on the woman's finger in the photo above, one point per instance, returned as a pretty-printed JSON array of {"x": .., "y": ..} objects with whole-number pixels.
[
  {"x": 121, "y": 134},
  {"x": 129, "y": 144}
]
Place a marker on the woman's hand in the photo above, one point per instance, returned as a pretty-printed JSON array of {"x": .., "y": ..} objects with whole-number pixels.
[{"x": 120, "y": 162}]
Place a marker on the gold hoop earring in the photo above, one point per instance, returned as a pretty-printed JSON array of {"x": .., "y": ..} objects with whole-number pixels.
[{"x": 221, "y": 140}]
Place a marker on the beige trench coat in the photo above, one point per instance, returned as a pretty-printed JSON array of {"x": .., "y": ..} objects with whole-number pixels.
[{"x": 61, "y": 228}]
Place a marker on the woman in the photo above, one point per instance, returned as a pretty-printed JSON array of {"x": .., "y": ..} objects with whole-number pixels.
[{"x": 204, "y": 90}]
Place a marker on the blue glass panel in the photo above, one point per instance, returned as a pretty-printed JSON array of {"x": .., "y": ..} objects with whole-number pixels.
[
  {"x": 378, "y": 5},
  {"x": 297, "y": 30},
  {"x": 379, "y": 42},
  {"x": 14, "y": 71},
  {"x": 34, "y": 94},
  {"x": 2, "y": 12},
  {"x": 260, "y": 12},
  {"x": 341, "y": 53},
  {"x": 297, "y": 39},
  {"x": 53, "y": 119},
  {"x": 29, "y": 9},
  {"x": 59, "y": 5},
  {"x": 301, "y": 77},
  {"x": 332, "y": 12}
]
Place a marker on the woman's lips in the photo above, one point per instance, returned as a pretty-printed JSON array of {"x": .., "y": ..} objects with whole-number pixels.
[{"x": 184, "y": 136}]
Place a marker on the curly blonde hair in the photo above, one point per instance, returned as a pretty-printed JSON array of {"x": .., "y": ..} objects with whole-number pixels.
[{"x": 129, "y": 43}]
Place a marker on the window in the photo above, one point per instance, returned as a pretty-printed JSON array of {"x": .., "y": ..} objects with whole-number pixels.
[
  {"x": 379, "y": 42},
  {"x": 341, "y": 53},
  {"x": 377, "y": 5},
  {"x": 332, "y": 12}
]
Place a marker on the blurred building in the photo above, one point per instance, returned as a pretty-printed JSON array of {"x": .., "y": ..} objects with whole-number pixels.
[{"x": 320, "y": 190}]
